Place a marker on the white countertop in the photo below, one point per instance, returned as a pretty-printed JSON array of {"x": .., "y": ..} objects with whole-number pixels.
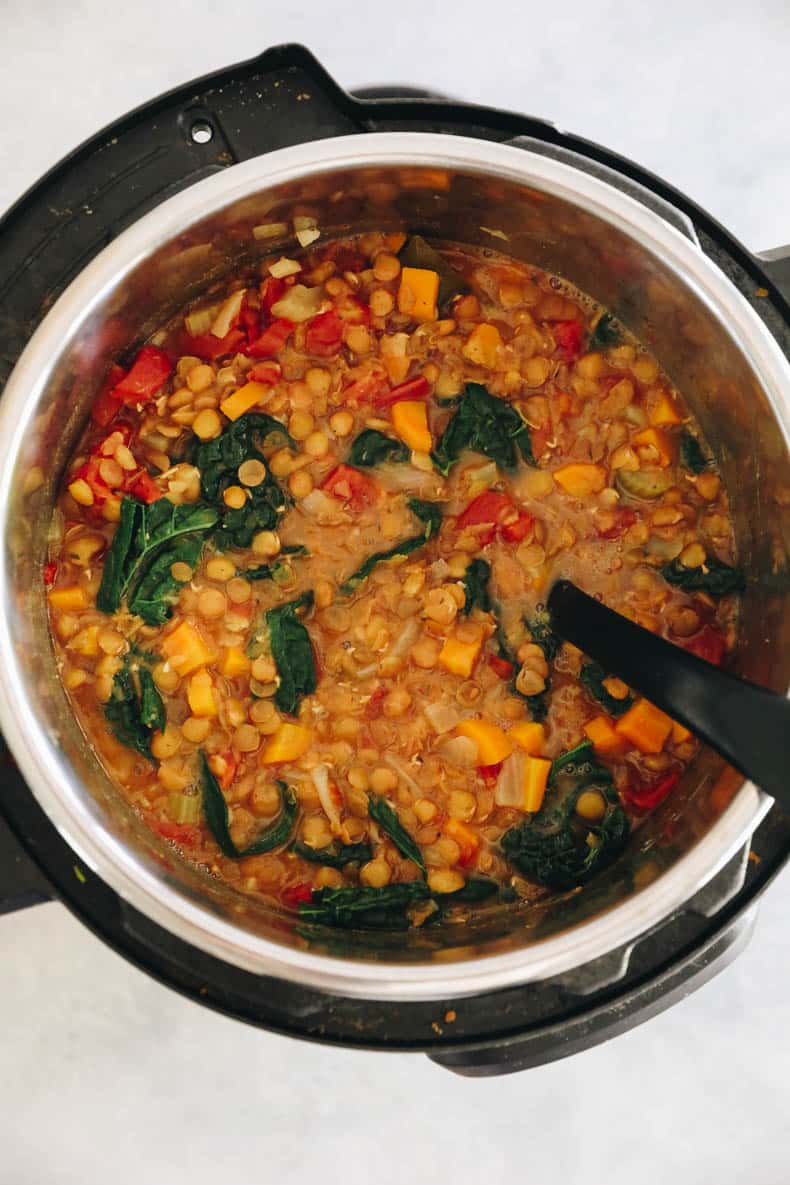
[{"x": 108, "y": 1078}]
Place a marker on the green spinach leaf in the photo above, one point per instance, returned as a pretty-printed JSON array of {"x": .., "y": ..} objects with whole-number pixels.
[
  {"x": 148, "y": 541},
  {"x": 382, "y": 813},
  {"x": 371, "y": 448},
  {"x": 278, "y": 571},
  {"x": 416, "y": 252},
  {"x": 135, "y": 710},
  {"x": 215, "y": 810},
  {"x": 336, "y": 855},
  {"x": 692, "y": 456},
  {"x": 475, "y": 582},
  {"x": 218, "y": 461},
  {"x": 591, "y": 677},
  {"x": 712, "y": 577},
  {"x": 487, "y": 425},
  {"x": 558, "y": 849},
  {"x": 429, "y": 513},
  {"x": 365, "y": 908},
  {"x": 605, "y": 333},
  {"x": 291, "y": 650}
]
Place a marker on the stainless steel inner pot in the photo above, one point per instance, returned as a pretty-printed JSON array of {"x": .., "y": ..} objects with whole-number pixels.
[{"x": 471, "y": 191}]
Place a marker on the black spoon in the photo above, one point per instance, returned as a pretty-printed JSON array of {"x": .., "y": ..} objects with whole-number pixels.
[{"x": 748, "y": 725}]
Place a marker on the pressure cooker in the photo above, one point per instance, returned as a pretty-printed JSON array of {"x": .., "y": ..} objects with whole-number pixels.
[{"x": 138, "y": 220}]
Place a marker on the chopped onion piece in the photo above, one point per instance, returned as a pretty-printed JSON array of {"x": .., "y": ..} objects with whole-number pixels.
[
  {"x": 320, "y": 776},
  {"x": 300, "y": 303},
  {"x": 200, "y": 320},
  {"x": 270, "y": 230},
  {"x": 406, "y": 639},
  {"x": 479, "y": 478},
  {"x": 509, "y": 789},
  {"x": 460, "y": 751},
  {"x": 284, "y": 267},
  {"x": 495, "y": 234},
  {"x": 414, "y": 481},
  {"x": 308, "y": 236},
  {"x": 230, "y": 310},
  {"x": 304, "y": 222},
  {"x": 443, "y": 717},
  {"x": 323, "y": 508}
]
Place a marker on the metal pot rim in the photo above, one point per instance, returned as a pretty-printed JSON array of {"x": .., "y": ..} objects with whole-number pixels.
[{"x": 35, "y": 750}]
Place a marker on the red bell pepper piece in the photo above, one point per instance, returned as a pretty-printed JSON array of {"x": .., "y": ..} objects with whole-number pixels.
[
  {"x": 142, "y": 486},
  {"x": 89, "y": 472},
  {"x": 372, "y": 388},
  {"x": 50, "y": 572},
  {"x": 351, "y": 485},
  {"x": 490, "y": 773},
  {"x": 412, "y": 389},
  {"x": 501, "y": 666},
  {"x": 208, "y": 347},
  {"x": 185, "y": 834},
  {"x": 569, "y": 336},
  {"x": 498, "y": 510},
  {"x": 150, "y": 370},
  {"x": 709, "y": 644},
  {"x": 296, "y": 895},
  {"x": 324, "y": 334},
  {"x": 271, "y": 340},
  {"x": 516, "y": 529},
  {"x": 646, "y": 797},
  {"x": 265, "y": 372},
  {"x": 272, "y": 290},
  {"x": 108, "y": 403},
  {"x": 624, "y": 518}
]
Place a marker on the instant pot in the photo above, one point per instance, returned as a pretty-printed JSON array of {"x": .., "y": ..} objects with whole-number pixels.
[{"x": 135, "y": 222}]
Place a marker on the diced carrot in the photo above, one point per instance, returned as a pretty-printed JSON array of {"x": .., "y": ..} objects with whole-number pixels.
[
  {"x": 536, "y": 776},
  {"x": 418, "y": 293},
  {"x": 458, "y": 657},
  {"x": 242, "y": 400},
  {"x": 234, "y": 662},
  {"x": 493, "y": 745},
  {"x": 288, "y": 743},
  {"x": 645, "y": 726},
  {"x": 580, "y": 479},
  {"x": 663, "y": 410},
  {"x": 680, "y": 734},
  {"x": 605, "y": 738},
  {"x": 482, "y": 346},
  {"x": 529, "y": 736},
  {"x": 186, "y": 649},
  {"x": 658, "y": 440},
  {"x": 467, "y": 840},
  {"x": 410, "y": 421},
  {"x": 200, "y": 695},
  {"x": 72, "y": 597}
]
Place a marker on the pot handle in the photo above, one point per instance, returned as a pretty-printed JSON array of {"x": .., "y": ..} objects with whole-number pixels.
[
  {"x": 776, "y": 263},
  {"x": 21, "y": 882}
]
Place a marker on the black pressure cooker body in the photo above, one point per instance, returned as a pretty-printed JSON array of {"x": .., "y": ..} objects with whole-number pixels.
[{"x": 280, "y": 99}]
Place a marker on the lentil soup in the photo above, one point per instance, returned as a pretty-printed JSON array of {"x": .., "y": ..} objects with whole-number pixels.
[{"x": 301, "y": 555}]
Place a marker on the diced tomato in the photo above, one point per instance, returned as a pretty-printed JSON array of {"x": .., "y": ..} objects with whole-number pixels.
[
  {"x": 412, "y": 389},
  {"x": 569, "y": 336},
  {"x": 272, "y": 290},
  {"x": 150, "y": 370},
  {"x": 708, "y": 644},
  {"x": 185, "y": 834},
  {"x": 501, "y": 666},
  {"x": 296, "y": 895},
  {"x": 372, "y": 388},
  {"x": 374, "y": 704},
  {"x": 208, "y": 347},
  {"x": 50, "y": 572},
  {"x": 143, "y": 486},
  {"x": 324, "y": 334},
  {"x": 351, "y": 485},
  {"x": 229, "y": 772},
  {"x": 89, "y": 472},
  {"x": 516, "y": 529},
  {"x": 249, "y": 321},
  {"x": 271, "y": 340},
  {"x": 108, "y": 403},
  {"x": 490, "y": 773},
  {"x": 624, "y": 518},
  {"x": 265, "y": 372},
  {"x": 645, "y": 797}
]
